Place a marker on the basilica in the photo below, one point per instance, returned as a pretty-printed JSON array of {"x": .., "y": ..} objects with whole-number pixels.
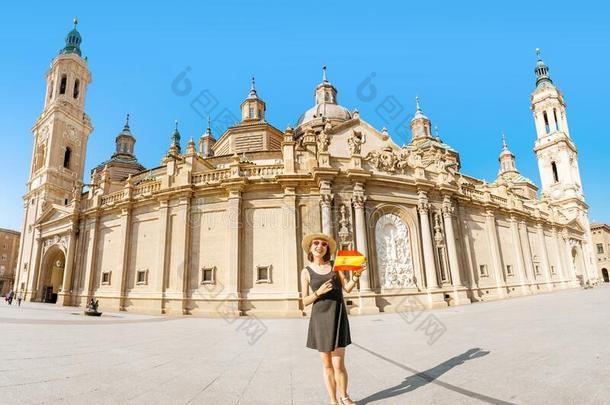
[{"x": 216, "y": 228}]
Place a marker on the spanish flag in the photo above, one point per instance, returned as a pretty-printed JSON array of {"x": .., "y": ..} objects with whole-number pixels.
[{"x": 349, "y": 260}]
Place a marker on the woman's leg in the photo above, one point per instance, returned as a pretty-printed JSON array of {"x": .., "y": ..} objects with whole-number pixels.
[
  {"x": 338, "y": 360},
  {"x": 329, "y": 375}
]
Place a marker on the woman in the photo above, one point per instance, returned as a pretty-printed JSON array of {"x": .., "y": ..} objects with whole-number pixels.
[{"x": 328, "y": 325}]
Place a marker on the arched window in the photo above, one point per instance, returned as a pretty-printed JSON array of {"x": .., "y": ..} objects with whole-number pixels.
[
  {"x": 546, "y": 122},
  {"x": 556, "y": 120},
  {"x": 251, "y": 112},
  {"x": 555, "y": 173},
  {"x": 67, "y": 156},
  {"x": 62, "y": 85},
  {"x": 76, "y": 88}
]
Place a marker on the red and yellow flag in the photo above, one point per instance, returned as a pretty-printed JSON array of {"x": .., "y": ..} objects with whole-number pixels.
[{"x": 349, "y": 260}]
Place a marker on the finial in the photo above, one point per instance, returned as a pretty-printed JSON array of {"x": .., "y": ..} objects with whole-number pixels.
[
  {"x": 324, "y": 74},
  {"x": 126, "y": 126},
  {"x": 436, "y": 131},
  {"x": 75, "y": 21},
  {"x": 538, "y": 53},
  {"x": 176, "y": 122},
  {"x": 252, "y": 86},
  {"x": 417, "y": 106},
  {"x": 209, "y": 121}
]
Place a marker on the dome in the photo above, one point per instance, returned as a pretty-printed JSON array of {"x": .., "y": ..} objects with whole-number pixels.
[
  {"x": 73, "y": 41},
  {"x": 329, "y": 111}
]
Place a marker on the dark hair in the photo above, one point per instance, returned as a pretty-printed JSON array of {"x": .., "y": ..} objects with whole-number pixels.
[{"x": 326, "y": 257}]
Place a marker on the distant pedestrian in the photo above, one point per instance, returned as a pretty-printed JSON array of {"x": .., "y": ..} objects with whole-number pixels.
[
  {"x": 19, "y": 298},
  {"x": 10, "y": 297}
]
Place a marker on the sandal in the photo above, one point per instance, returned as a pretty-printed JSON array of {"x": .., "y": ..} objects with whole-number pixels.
[{"x": 347, "y": 398}]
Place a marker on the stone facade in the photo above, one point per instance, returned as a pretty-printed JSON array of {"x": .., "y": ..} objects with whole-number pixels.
[
  {"x": 9, "y": 249},
  {"x": 216, "y": 231},
  {"x": 601, "y": 245}
]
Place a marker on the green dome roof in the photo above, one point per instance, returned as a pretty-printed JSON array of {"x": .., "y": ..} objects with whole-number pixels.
[{"x": 73, "y": 41}]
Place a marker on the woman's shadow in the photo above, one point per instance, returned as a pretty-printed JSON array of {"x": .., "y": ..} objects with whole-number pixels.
[{"x": 422, "y": 378}]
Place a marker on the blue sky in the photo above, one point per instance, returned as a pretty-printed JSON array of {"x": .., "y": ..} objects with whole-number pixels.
[{"x": 471, "y": 64}]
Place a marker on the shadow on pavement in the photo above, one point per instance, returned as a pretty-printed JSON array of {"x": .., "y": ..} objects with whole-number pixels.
[{"x": 420, "y": 379}]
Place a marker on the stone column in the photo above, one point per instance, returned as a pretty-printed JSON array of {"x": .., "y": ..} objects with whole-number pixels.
[
  {"x": 527, "y": 252},
  {"x": 291, "y": 249},
  {"x": 454, "y": 262},
  {"x": 123, "y": 253},
  {"x": 359, "y": 202},
  {"x": 90, "y": 260},
  {"x": 545, "y": 256},
  {"x": 514, "y": 229},
  {"x": 326, "y": 199},
  {"x": 366, "y": 297},
  {"x": 560, "y": 262},
  {"x": 34, "y": 271},
  {"x": 64, "y": 296},
  {"x": 492, "y": 236},
  {"x": 161, "y": 272},
  {"x": 429, "y": 262},
  {"x": 234, "y": 228},
  {"x": 567, "y": 254}
]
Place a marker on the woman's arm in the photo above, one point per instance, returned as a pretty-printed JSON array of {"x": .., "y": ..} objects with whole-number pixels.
[
  {"x": 348, "y": 286},
  {"x": 305, "y": 296}
]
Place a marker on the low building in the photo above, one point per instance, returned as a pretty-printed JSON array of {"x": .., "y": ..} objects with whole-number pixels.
[
  {"x": 600, "y": 234},
  {"x": 9, "y": 249}
]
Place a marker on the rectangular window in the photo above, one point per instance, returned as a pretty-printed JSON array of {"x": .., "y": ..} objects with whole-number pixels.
[
  {"x": 553, "y": 270},
  {"x": 483, "y": 270},
  {"x": 208, "y": 275},
  {"x": 537, "y": 267},
  {"x": 142, "y": 277},
  {"x": 509, "y": 270},
  {"x": 600, "y": 248},
  {"x": 106, "y": 278},
  {"x": 263, "y": 274}
]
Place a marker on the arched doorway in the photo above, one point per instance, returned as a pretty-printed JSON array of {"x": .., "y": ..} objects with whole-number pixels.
[
  {"x": 605, "y": 275},
  {"x": 52, "y": 275}
]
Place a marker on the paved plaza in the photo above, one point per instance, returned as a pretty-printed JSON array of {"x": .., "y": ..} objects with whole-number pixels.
[{"x": 543, "y": 349}]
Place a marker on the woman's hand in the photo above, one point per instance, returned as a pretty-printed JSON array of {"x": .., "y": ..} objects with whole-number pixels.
[{"x": 324, "y": 288}]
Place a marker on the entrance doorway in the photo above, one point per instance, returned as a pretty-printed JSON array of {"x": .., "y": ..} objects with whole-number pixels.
[
  {"x": 52, "y": 275},
  {"x": 605, "y": 275}
]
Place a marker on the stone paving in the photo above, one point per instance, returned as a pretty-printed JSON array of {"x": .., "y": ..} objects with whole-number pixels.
[{"x": 543, "y": 349}]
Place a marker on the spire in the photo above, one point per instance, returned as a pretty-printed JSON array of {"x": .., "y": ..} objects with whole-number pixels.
[
  {"x": 253, "y": 107},
  {"x": 176, "y": 137},
  {"x": 418, "y": 111},
  {"x": 126, "y": 126},
  {"x": 324, "y": 79},
  {"x": 125, "y": 142},
  {"x": 73, "y": 41},
  {"x": 252, "y": 94},
  {"x": 208, "y": 130},
  {"x": 504, "y": 146},
  {"x": 507, "y": 159},
  {"x": 541, "y": 70}
]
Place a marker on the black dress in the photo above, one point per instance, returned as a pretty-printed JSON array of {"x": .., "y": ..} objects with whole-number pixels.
[{"x": 328, "y": 324}]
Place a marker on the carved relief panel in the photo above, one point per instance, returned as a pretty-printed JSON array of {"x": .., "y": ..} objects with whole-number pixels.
[{"x": 394, "y": 257}]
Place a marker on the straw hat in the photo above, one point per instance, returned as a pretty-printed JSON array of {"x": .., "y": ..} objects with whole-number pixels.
[{"x": 332, "y": 245}]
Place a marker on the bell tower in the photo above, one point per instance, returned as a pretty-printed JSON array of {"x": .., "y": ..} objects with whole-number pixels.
[
  {"x": 558, "y": 158},
  {"x": 60, "y": 137},
  {"x": 62, "y": 130},
  {"x": 554, "y": 148}
]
